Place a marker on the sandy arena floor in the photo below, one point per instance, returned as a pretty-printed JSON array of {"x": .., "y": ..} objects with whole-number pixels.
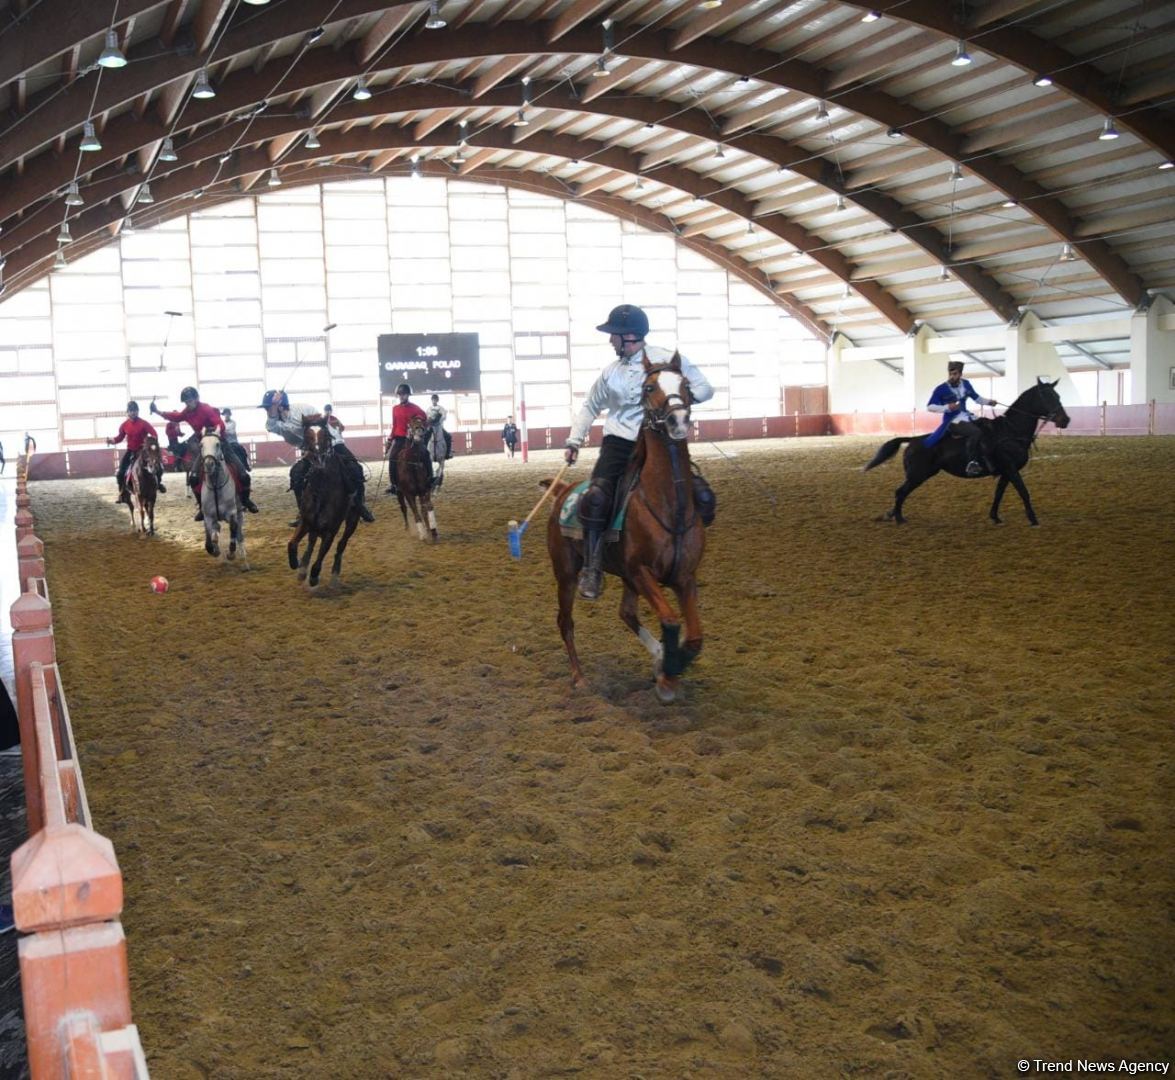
[{"x": 911, "y": 819}]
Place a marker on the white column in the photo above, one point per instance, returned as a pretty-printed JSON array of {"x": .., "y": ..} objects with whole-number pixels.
[
  {"x": 1024, "y": 360},
  {"x": 1152, "y": 353}
]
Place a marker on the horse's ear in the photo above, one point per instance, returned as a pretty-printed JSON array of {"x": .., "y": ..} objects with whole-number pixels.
[
  {"x": 645, "y": 362},
  {"x": 1045, "y": 382},
  {"x": 675, "y": 363}
]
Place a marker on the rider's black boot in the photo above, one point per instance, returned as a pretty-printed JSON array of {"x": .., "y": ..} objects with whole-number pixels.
[
  {"x": 249, "y": 504},
  {"x": 591, "y": 577},
  {"x": 364, "y": 513},
  {"x": 161, "y": 486},
  {"x": 199, "y": 516}
]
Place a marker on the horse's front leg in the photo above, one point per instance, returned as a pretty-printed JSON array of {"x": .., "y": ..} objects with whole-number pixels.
[
  {"x": 1000, "y": 487},
  {"x": 303, "y": 566},
  {"x": 211, "y": 535},
  {"x": 429, "y": 514},
  {"x": 414, "y": 502},
  {"x": 239, "y": 538},
  {"x": 337, "y": 567},
  {"x": 687, "y": 597},
  {"x": 1018, "y": 483},
  {"x": 667, "y": 676},
  {"x": 292, "y": 547},
  {"x": 403, "y": 507},
  {"x": 324, "y": 544},
  {"x": 631, "y": 618}
]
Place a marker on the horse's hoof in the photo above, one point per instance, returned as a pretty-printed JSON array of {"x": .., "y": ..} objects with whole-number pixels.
[
  {"x": 301, "y": 575},
  {"x": 666, "y": 690}
]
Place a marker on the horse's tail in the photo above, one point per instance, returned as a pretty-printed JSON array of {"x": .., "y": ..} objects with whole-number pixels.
[{"x": 887, "y": 451}]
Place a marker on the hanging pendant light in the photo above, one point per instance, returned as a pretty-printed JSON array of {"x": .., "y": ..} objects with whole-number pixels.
[
  {"x": 111, "y": 56},
  {"x": 167, "y": 153},
  {"x": 821, "y": 111},
  {"x": 73, "y": 197},
  {"x": 145, "y": 196},
  {"x": 361, "y": 92},
  {"x": 962, "y": 56},
  {"x": 64, "y": 237},
  {"x": 203, "y": 88},
  {"x": 1067, "y": 254},
  {"x": 312, "y": 142},
  {"x": 59, "y": 262},
  {"x": 435, "y": 22},
  {"x": 520, "y": 120},
  {"x": 601, "y": 68},
  {"x": 414, "y": 171},
  {"x": 274, "y": 180},
  {"x": 89, "y": 141},
  {"x": 840, "y": 202},
  {"x": 1108, "y": 130}
]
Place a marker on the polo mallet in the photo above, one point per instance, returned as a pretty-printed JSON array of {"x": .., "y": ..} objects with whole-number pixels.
[
  {"x": 514, "y": 531},
  {"x": 171, "y": 315}
]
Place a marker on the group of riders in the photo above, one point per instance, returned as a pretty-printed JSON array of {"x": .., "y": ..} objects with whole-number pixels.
[{"x": 618, "y": 390}]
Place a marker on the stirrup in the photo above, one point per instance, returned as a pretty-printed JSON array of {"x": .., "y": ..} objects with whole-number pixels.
[
  {"x": 364, "y": 513},
  {"x": 199, "y": 516},
  {"x": 162, "y": 488},
  {"x": 974, "y": 468},
  {"x": 249, "y": 505}
]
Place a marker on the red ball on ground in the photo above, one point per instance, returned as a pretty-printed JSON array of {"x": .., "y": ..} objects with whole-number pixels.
[{"x": 159, "y": 584}]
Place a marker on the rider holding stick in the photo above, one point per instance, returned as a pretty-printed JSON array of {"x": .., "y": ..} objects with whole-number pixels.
[
  {"x": 950, "y": 398},
  {"x": 618, "y": 389},
  {"x": 135, "y": 430}
]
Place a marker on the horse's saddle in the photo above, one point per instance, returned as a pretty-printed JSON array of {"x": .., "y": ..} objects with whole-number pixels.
[{"x": 572, "y": 527}]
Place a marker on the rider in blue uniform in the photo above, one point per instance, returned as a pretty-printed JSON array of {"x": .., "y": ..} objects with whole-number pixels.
[
  {"x": 618, "y": 389},
  {"x": 950, "y": 398}
]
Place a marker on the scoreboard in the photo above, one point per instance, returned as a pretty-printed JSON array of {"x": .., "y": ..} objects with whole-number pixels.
[{"x": 430, "y": 363}]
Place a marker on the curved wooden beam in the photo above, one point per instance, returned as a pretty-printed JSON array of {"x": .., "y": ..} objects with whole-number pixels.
[
  {"x": 478, "y": 41},
  {"x": 1036, "y": 56}
]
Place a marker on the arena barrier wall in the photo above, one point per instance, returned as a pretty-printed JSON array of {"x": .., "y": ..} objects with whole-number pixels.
[
  {"x": 1149, "y": 419},
  {"x": 67, "y": 892}
]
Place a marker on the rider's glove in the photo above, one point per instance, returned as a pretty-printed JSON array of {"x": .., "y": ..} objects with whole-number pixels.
[{"x": 570, "y": 453}]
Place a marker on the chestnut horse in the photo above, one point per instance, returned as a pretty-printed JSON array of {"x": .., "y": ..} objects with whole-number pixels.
[
  {"x": 142, "y": 485},
  {"x": 662, "y": 540},
  {"x": 323, "y": 507},
  {"x": 413, "y": 486}
]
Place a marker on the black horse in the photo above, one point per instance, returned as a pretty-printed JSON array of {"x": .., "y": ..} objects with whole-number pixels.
[
  {"x": 1008, "y": 439},
  {"x": 323, "y": 508}
]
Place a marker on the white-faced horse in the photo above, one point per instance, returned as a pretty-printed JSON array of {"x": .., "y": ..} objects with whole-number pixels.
[{"x": 218, "y": 500}]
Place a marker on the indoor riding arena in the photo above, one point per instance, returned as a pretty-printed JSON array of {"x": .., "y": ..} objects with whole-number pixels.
[{"x": 741, "y": 433}]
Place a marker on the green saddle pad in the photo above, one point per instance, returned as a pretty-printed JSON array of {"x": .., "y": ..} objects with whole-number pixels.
[{"x": 569, "y": 514}]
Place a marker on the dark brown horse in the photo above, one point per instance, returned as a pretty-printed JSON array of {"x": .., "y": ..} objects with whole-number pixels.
[
  {"x": 413, "y": 474},
  {"x": 1009, "y": 439},
  {"x": 323, "y": 508},
  {"x": 662, "y": 541},
  {"x": 143, "y": 487}
]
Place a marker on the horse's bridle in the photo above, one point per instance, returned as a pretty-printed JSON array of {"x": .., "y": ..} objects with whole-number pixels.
[{"x": 657, "y": 419}]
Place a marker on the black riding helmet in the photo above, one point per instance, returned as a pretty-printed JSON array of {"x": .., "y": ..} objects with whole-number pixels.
[
  {"x": 404, "y": 388},
  {"x": 189, "y": 393},
  {"x": 626, "y": 320},
  {"x": 132, "y": 405}
]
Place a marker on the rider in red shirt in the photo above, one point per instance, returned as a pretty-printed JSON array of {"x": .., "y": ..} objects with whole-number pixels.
[
  {"x": 135, "y": 430},
  {"x": 402, "y": 415},
  {"x": 199, "y": 417}
]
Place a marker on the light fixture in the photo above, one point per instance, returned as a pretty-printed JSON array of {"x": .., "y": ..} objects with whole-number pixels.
[
  {"x": 225, "y": 158},
  {"x": 821, "y": 111},
  {"x": 315, "y": 35},
  {"x": 1167, "y": 165},
  {"x": 944, "y": 274},
  {"x": 840, "y": 202},
  {"x": 459, "y": 157},
  {"x": 718, "y": 151},
  {"x": 750, "y": 228},
  {"x": 1009, "y": 204},
  {"x": 168, "y": 152},
  {"x": 520, "y": 120},
  {"x": 145, "y": 196},
  {"x": 203, "y": 88},
  {"x": 111, "y": 56},
  {"x": 895, "y": 133},
  {"x": 361, "y": 92},
  {"x": 871, "y": 16},
  {"x": 312, "y": 142},
  {"x": 274, "y": 180},
  {"x": 64, "y": 237},
  {"x": 956, "y": 171},
  {"x": 89, "y": 141},
  {"x": 73, "y": 197},
  {"x": 962, "y": 56},
  {"x": 797, "y": 254},
  {"x": 257, "y": 3},
  {"x": 640, "y": 183},
  {"x": 1108, "y": 130},
  {"x": 601, "y": 68},
  {"x": 710, "y": 5},
  {"x": 198, "y": 193},
  {"x": 1043, "y": 80},
  {"x": 649, "y": 125},
  {"x": 435, "y": 22},
  {"x": 128, "y": 227},
  {"x": 59, "y": 262},
  {"x": 415, "y": 170},
  {"x": 1067, "y": 253}
]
